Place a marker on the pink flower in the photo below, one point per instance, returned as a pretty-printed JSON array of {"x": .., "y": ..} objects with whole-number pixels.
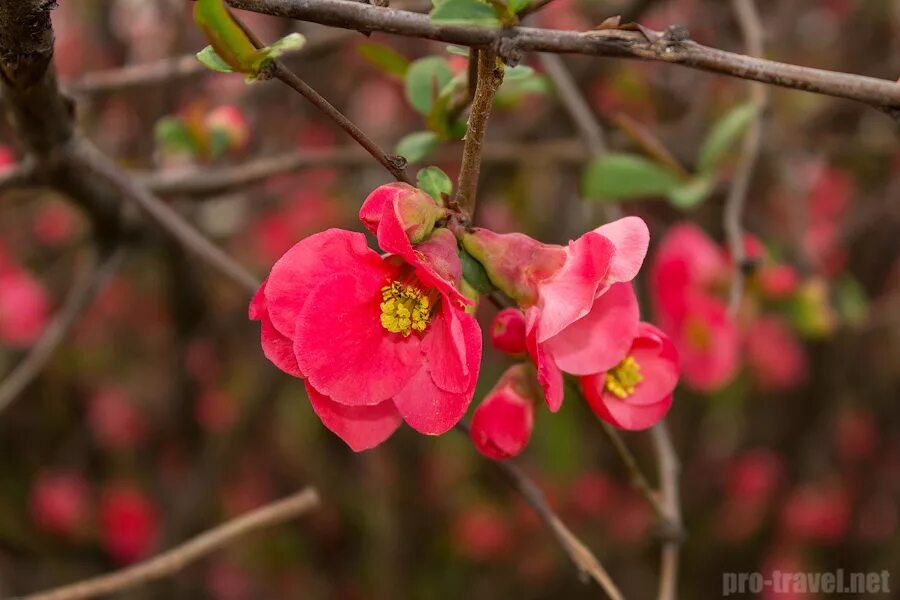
[
  {"x": 115, "y": 421},
  {"x": 378, "y": 340},
  {"x": 508, "y": 331},
  {"x": 774, "y": 354},
  {"x": 129, "y": 523},
  {"x": 637, "y": 392},
  {"x": 502, "y": 423},
  {"x": 59, "y": 502},
  {"x": 7, "y": 158},
  {"x": 24, "y": 307},
  {"x": 229, "y": 124},
  {"x": 819, "y": 513},
  {"x": 581, "y": 314},
  {"x": 482, "y": 533}
]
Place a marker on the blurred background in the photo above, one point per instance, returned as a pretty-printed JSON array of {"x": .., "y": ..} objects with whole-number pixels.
[{"x": 159, "y": 417}]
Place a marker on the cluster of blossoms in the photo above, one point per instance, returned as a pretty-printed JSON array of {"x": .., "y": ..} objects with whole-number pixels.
[{"x": 385, "y": 339}]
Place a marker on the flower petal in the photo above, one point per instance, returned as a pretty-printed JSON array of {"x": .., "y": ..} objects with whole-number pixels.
[
  {"x": 631, "y": 238},
  {"x": 452, "y": 346},
  {"x": 569, "y": 294},
  {"x": 620, "y": 413},
  {"x": 658, "y": 361},
  {"x": 306, "y": 264},
  {"x": 427, "y": 408},
  {"x": 550, "y": 377},
  {"x": 276, "y": 347},
  {"x": 361, "y": 427},
  {"x": 343, "y": 349},
  {"x": 601, "y": 339}
]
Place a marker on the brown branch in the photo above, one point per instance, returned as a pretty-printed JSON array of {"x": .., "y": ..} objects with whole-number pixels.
[
  {"x": 752, "y": 31},
  {"x": 490, "y": 76},
  {"x": 208, "y": 182},
  {"x": 669, "y": 47},
  {"x": 95, "y": 164},
  {"x": 19, "y": 176},
  {"x": 669, "y": 470},
  {"x": 396, "y": 165},
  {"x": 578, "y": 553},
  {"x": 575, "y": 104},
  {"x": 88, "y": 283},
  {"x": 172, "y": 561},
  {"x": 651, "y": 145}
]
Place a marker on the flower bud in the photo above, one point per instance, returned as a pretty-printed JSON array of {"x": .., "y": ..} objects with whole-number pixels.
[
  {"x": 415, "y": 210},
  {"x": 502, "y": 423},
  {"x": 228, "y": 128},
  {"x": 508, "y": 331},
  {"x": 514, "y": 262}
]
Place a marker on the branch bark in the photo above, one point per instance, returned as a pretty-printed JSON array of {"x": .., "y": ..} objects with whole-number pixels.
[
  {"x": 669, "y": 470},
  {"x": 669, "y": 47},
  {"x": 169, "y": 563}
]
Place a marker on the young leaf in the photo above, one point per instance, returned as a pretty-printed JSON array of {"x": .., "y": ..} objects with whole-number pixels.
[
  {"x": 289, "y": 43},
  {"x": 518, "y": 6},
  {"x": 424, "y": 80},
  {"x": 727, "y": 130},
  {"x": 626, "y": 176},
  {"x": 517, "y": 73},
  {"x": 385, "y": 59},
  {"x": 416, "y": 146},
  {"x": 434, "y": 182},
  {"x": 210, "y": 58},
  {"x": 458, "y": 50},
  {"x": 692, "y": 193},
  {"x": 464, "y": 12},
  {"x": 230, "y": 42}
]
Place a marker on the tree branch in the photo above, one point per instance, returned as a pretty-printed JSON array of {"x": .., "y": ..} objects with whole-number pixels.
[
  {"x": 668, "y": 47},
  {"x": 19, "y": 176},
  {"x": 578, "y": 553},
  {"x": 88, "y": 283},
  {"x": 169, "y": 563},
  {"x": 490, "y": 76},
  {"x": 752, "y": 31},
  {"x": 669, "y": 469}
]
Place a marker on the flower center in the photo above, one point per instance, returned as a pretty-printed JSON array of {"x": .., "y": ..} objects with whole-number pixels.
[
  {"x": 622, "y": 379},
  {"x": 698, "y": 334},
  {"x": 405, "y": 308}
]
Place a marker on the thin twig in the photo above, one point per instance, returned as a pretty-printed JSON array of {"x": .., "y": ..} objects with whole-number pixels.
[
  {"x": 96, "y": 163},
  {"x": 574, "y": 103},
  {"x": 490, "y": 76},
  {"x": 208, "y": 182},
  {"x": 669, "y": 47},
  {"x": 169, "y": 563},
  {"x": 752, "y": 31},
  {"x": 651, "y": 145},
  {"x": 578, "y": 553},
  {"x": 88, "y": 283},
  {"x": 396, "y": 165},
  {"x": 669, "y": 469}
]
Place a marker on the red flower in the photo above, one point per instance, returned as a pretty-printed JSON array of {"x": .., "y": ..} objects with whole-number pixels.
[
  {"x": 24, "y": 306},
  {"x": 59, "y": 502},
  {"x": 637, "y": 392},
  {"x": 115, "y": 421},
  {"x": 378, "y": 340},
  {"x": 508, "y": 331},
  {"x": 774, "y": 354},
  {"x": 502, "y": 423},
  {"x": 129, "y": 523}
]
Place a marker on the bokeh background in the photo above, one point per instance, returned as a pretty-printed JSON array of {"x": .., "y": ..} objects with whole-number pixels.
[{"x": 159, "y": 417}]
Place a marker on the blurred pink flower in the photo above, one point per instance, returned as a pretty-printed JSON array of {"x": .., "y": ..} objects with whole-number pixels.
[
  {"x": 129, "y": 522},
  {"x": 774, "y": 354},
  {"x": 115, "y": 421},
  {"x": 637, "y": 392},
  {"x": 816, "y": 513},
  {"x": 481, "y": 533},
  {"x": 377, "y": 340},
  {"x": 304, "y": 214},
  {"x": 59, "y": 502},
  {"x": 827, "y": 204},
  {"x": 54, "y": 224},
  {"x": 856, "y": 435},
  {"x": 216, "y": 410},
  {"x": 24, "y": 306},
  {"x": 231, "y": 125},
  {"x": 7, "y": 158}
]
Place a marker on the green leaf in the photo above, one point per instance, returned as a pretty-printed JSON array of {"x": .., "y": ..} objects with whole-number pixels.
[
  {"x": 211, "y": 59},
  {"x": 228, "y": 39},
  {"x": 693, "y": 193},
  {"x": 458, "y": 50},
  {"x": 727, "y": 130},
  {"x": 473, "y": 272},
  {"x": 173, "y": 135},
  {"x": 626, "y": 176},
  {"x": 288, "y": 43},
  {"x": 416, "y": 146},
  {"x": 424, "y": 80},
  {"x": 434, "y": 182},
  {"x": 386, "y": 60},
  {"x": 517, "y": 73},
  {"x": 851, "y": 300},
  {"x": 464, "y": 12},
  {"x": 518, "y": 6}
]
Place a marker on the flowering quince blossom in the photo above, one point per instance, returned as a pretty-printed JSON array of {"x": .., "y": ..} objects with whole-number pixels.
[
  {"x": 686, "y": 271},
  {"x": 24, "y": 305},
  {"x": 377, "y": 339},
  {"x": 508, "y": 331},
  {"x": 637, "y": 392},
  {"x": 581, "y": 313},
  {"x": 502, "y": 423}
]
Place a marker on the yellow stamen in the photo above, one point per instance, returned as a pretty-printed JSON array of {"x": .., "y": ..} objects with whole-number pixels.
[
  {"x": 405, "y": 308},
  {"x": 622, "y": 379}
]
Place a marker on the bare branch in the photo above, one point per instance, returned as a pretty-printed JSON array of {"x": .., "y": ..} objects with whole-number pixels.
[
  {"x": 669, "y": 469},
  {"x": 752, "y": 31},
  {"x": 490, "y": 76},
  {"x": 169, "y": 563},
  {"x": 669, "y": 47},
  {"x": 578, "y": 553},
  {"x": 95, "y": 163},
  {"x": 88, "y": 283},
  {"x": 574, "y": 103}
]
